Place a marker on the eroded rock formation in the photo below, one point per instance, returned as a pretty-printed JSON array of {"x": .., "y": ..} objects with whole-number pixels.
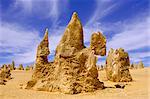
[
  {"x": 117, "y": 66},
  {"x": 9, "y": 66},
  {"x": 72, "y": 40},
  {"x": 20, "y": 67},
  {"x": 74, "y": 67},
  {"x": 5, "y": 75},
  {"x": 140, "y": 65}
]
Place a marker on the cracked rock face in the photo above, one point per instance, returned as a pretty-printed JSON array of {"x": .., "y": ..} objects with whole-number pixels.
[
  {"x": 117, "y": 66},
  {"x": 74, "y": 67}
]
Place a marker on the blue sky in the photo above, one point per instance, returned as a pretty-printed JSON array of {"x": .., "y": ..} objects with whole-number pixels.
[{"x": 123, "y": 22}]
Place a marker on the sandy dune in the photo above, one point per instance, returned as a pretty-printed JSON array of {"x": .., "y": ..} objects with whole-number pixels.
[{"x": 138, "y": 89}]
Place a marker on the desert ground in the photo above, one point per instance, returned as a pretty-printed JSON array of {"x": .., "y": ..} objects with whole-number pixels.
[{"x": 137, "y": 89}]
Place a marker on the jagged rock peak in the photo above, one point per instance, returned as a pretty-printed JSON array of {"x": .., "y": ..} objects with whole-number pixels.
[
  {"x": 74, "y": 16},
  {"x": 43, "y": 50},
  {"x": 72, "y": 40}
]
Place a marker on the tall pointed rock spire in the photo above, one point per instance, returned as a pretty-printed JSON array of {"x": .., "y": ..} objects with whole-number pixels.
[
  {"x": 72, "y": 40},
  {"x": 43, "y": 49}
]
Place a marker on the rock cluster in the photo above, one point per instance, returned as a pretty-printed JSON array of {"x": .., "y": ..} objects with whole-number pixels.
[
  {"x": 74, "y": 67},
  {"x": 4, "y": 75},
  {"x": 20, "y": 67},
  {"x": 117, "y": 66},
  {"x": 139, "y": 65},
  {"x": 10, "y": 66},
  {"x": 29, "y": 68}
]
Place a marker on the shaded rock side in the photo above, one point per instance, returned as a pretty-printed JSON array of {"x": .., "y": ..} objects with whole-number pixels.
[
  {"x": 117, "y": 66},
  {"x": 73, "y": 69}
]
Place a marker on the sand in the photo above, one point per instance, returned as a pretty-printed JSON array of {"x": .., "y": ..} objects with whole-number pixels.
[{"x": 138, "y": 89}]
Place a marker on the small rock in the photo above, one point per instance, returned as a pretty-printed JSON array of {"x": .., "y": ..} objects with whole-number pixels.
[
  {"x": 2, "y": 82},
  {"x": 120, "y": 86},
  {"x": 20, "y": 84}
]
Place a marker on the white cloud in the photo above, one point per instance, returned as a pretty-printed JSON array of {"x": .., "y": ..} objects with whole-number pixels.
[
  {"x": 138, "y": 56},
  {"x": 20, "y": 42},
  {"x": 133, "y": 36}
]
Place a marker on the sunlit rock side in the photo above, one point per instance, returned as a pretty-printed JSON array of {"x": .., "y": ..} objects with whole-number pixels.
[
  {"x": 74, "y": 67},
  {"x": 72, "y": 40},
  {"x": 117, "y": 66}
]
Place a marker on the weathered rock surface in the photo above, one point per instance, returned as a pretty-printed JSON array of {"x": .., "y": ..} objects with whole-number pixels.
[
  {"x": 42, "y": 64},
  {"x": 72, "y": 40},
  {"x": 98, "y": 44},
  {"x": 117, "y": 66},
  {"x": 4, "y": 75},
  {"x": 74, "y": 67}
]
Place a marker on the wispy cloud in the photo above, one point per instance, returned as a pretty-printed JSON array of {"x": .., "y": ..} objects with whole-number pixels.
[
  {"x": 18, "y": 43},
  {"x": 26, "y": 5},
  {"x": 103, "y": 8},
  {"x": 47, "y": 8},
  {"x": 138, "y": 56},
  {"x": 134, "y": 35}
]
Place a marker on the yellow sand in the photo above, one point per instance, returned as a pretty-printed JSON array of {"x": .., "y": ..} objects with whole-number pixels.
[{"x": 138, "y": 89}]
